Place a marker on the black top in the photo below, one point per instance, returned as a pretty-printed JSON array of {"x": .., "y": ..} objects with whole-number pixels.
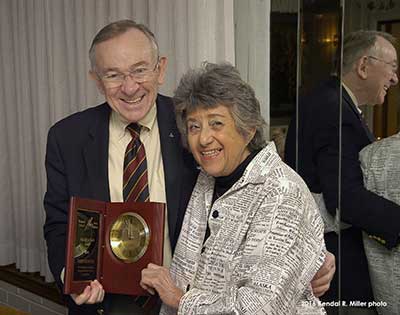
[{"x": 224, "y": 183}]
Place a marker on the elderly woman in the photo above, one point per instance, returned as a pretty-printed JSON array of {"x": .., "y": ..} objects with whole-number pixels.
[{"x": 252, "y": 237}]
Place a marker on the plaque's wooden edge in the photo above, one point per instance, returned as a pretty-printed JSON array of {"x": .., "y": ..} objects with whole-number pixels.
[
  {"x": 69, "y": 265},
  {"x": 71, "y": 286}
]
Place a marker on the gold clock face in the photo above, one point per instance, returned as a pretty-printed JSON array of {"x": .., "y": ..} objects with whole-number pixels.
[
  {"x": 86, "y": 233},
  {"x": 129, "y": 237}
]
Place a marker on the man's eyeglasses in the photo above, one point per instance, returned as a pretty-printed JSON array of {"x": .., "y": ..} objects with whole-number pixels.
[
  {"x": 141, "y": 74},
  {"x": 393, "y": 64}
]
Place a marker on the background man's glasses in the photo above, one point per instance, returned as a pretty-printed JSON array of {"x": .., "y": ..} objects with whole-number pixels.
[
  {"x": 393, "y": 64},
  {"x": 141, "y": 74}
]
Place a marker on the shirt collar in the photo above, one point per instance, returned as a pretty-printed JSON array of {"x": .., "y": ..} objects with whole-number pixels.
[
  {"x": 119, "y": 125},
  {"x": 352, "y": 96},
  {"x": 150, "y": 118}
]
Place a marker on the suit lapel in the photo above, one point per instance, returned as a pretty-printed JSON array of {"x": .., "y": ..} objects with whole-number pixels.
[
  {"x": 96, "y": 156},
  {"x": 355, "y": 111},
  {"x": 171, "y": 151}
]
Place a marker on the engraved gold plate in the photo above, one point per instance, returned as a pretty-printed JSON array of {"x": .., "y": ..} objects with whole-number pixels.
[
  {"x": 129, "y": 237},
  {"x": 86, "y": 232}
]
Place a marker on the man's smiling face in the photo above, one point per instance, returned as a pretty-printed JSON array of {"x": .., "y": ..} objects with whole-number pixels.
[
  {"x": 124, "y": 54},
  {"x": 382, "y": 72}
]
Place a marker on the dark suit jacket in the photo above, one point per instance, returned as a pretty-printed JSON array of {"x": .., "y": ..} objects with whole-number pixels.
[
  {"x": 318, "y": 164},
  {"x": 77, "y": 165}
]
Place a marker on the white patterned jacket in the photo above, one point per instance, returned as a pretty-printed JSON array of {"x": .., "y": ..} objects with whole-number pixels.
[
  {"x": 380, "y": 163},
  {"x": 265, "y": 246}
]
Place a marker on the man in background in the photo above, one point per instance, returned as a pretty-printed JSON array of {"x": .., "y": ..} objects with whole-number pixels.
[{"x": 331, "y": 130}]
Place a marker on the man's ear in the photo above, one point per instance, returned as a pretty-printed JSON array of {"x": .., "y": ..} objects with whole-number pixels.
[
  {"x": 362, "y": 66},
  {"x": 162, "y": 65},
  {"x": 94, "y": 76}
]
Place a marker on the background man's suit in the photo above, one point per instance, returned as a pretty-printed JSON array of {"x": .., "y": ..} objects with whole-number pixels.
[
  {"x": 318, "y": 164},
  {"x": 77, "y": 165}
]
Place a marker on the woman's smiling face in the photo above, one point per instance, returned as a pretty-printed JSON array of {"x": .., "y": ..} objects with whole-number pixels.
[{"x": 214, "y": 140}]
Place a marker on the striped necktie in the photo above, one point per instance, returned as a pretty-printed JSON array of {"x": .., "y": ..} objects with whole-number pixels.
[
  {"x": 136, "y": 188},
  {"x": 135, "y": 181}
]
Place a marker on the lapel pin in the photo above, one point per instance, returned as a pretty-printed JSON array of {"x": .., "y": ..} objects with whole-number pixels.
[{"x": 171, "y": 135}]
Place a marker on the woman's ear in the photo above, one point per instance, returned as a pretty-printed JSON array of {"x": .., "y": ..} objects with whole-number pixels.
[{"x": 251, "y": 135}]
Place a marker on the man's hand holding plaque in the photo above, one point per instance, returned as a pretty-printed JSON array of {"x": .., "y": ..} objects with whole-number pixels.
[
  {"x": 92, "y": 294},
  {"x": 112, "y": 242}
]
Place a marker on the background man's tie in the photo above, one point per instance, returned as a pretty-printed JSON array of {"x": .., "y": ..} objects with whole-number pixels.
[
  {"x": 365, "y": 126},
  {"x": 135, "y": 181}
]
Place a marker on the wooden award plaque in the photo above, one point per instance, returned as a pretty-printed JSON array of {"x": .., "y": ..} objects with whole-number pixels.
[{"x": 112, "y": 242}]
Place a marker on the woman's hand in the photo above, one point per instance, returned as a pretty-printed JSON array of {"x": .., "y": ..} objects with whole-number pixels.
[
  {"x": 322, "y": 279},
  {"x": 93, "y": 293},
  {"x": 157, "y": 278}
]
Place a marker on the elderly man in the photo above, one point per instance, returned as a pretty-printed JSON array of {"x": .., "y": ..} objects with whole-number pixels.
[
  {"x": 86, "y": 153},
  {"x": 369, "y": 70}
]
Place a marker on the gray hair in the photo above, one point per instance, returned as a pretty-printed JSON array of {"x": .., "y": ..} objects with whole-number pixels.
[
  {"x": 359, "y": 43},
  {"x": 114, "y": 30},
  {"x": 220, "y": 84}
]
